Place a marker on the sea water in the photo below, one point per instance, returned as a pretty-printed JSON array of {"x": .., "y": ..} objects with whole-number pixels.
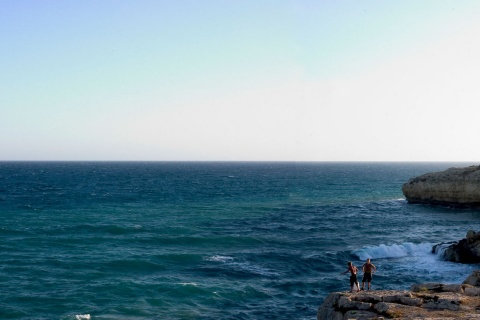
[{"x": 197, "y": 240}]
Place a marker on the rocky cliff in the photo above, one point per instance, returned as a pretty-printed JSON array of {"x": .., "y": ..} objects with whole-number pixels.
[
  {"x": 453, "y": 187},
  {"x": 425, "y": 301}
]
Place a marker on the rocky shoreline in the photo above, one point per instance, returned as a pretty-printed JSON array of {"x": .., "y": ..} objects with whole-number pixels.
[
  {"x": 455, "y": 187},
  {"x": 423, "y": 301},
  {"x": 466, "y": 250}
]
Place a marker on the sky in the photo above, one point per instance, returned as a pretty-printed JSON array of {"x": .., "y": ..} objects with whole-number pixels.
[{"x": 245, "y": 80}]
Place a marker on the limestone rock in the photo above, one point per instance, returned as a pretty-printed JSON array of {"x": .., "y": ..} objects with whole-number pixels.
[
  {"x": 435, "y": 287},
  {"x": 327, "y": 309},
  {"x": 464, "y": 251},
  {"x": 472, "y": 291},
  {"x": 383, "y": 307},
  {"x": 452, "y": 187},
  {"x": 347, "y": 303},
  {"x": 359, "y": 315},
  {"x": 424, "y": 301},
  {"x": 444, "y": 302},
  {"x": 473, "y": 279},
  {"x": 453, "y": 288},
  {"x": 411, "y": 301}
]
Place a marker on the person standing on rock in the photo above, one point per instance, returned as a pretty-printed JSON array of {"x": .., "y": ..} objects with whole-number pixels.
[
  {"x": 353, "y": 276},
  {"x": 368, "y": 269}
]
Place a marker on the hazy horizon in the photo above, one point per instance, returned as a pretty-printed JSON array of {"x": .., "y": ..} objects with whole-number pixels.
[{"x": 297, "y": 81}]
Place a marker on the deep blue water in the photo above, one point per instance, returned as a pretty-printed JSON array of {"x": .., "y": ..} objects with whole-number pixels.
[{"x": 180, "y": 240}]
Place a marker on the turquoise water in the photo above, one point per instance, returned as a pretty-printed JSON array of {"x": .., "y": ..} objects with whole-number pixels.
[{"x": 182, "y": 240}]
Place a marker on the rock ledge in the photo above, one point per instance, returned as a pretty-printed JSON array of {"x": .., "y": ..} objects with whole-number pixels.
[{"x": 424, "y": 301}]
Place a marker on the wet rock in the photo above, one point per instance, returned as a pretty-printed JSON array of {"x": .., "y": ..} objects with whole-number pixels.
[{"x": 466, "y": 250}]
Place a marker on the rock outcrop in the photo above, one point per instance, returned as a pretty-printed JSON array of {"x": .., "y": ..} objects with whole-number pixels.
[
  {"x": 473, "y": 279},
  {"x": 464, "y": 251},
  {"x": 452, "y": 187},
  {"x": 424, "y": 301}
]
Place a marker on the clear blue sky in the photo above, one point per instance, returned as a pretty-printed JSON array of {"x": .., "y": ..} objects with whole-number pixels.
[{"x": 240, "y": 80}]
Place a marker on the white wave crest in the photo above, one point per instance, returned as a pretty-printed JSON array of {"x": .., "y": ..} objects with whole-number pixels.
[
  {"x": 393, "y": 251},
  {"x": 440, "y": 249},
  {"x": 219, "y": 258},
  {"x": 82, "y": 317},
  {"x": 188, "y": 284}
]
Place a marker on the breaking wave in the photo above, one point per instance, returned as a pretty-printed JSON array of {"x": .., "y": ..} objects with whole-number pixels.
[{"x": 393, "y": 251}]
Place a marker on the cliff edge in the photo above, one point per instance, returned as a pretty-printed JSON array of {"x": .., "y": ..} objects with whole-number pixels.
[
  {"x": 452, "y": 187},
  {"x": 424, "y": 301}
]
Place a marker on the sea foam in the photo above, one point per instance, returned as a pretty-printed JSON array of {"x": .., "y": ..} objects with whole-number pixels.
[{"x": 393, "y": 251}]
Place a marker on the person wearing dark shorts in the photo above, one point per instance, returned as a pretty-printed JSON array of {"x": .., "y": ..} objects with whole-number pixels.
[
  {"x": 353, "y": 276},
  {"x": 368, "y": 269}
]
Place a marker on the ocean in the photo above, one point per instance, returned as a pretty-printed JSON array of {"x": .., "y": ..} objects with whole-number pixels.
[{"x": 211, "y": 240}]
